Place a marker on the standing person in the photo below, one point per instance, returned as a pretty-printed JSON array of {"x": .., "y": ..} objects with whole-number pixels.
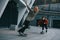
[
  {"x": 44, "y": 24},
  {"x": 29, "y": 18}
]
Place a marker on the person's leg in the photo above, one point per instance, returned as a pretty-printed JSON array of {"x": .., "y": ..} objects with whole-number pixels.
[
  {"x": 22, "y": 29},
  {"x": 25, "y": 27},
  {"x": 26, "y": 23},
  {"x": 46, "y": 27},
  {"x": 42, "y": 27}
]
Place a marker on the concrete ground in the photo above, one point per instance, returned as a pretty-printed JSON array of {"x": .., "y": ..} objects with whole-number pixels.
[{"x": 32, "y": 34}]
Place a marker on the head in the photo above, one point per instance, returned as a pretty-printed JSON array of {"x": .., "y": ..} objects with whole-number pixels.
[
  {"x": 36, "y": 9},
  {"x": 43, "y": 17}
]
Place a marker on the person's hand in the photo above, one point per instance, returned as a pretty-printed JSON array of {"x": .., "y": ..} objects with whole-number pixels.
[{"x": 44, "y": 23}]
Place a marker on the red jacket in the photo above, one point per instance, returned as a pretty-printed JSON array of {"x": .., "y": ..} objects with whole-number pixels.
[
  {"x": 46, "y": 21},
  {"x": 41, "y": 21}
]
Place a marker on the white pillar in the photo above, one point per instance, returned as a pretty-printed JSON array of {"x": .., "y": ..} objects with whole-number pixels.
[
  {"x": 22, "y": 9},
  {"x": 3, "y": 4}
]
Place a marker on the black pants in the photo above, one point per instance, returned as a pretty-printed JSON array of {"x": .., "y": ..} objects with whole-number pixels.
[
  {"x": 44, "y": 26},
  {"x": 26, "y": 23}
]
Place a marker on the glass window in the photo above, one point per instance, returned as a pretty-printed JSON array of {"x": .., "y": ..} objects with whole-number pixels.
[{"x": 53, "y": 0}]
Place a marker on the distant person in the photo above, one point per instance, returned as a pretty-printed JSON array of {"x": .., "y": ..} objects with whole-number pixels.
[
  {"x": 44, "y": 24},
  {"x": 29, "y": 18}
]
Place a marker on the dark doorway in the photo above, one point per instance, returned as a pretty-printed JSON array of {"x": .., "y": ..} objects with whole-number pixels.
[
  {"x": 56, "y": 23},
  {"x": 10, "y": 15}
]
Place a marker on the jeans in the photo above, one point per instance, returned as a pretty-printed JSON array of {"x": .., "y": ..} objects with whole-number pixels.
[{"x": 26, "y": 23}]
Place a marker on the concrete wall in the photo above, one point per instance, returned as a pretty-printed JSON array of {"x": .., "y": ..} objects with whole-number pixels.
[
  {"x": 53, "y": 18},
  {"x": 9, "y": 15}
]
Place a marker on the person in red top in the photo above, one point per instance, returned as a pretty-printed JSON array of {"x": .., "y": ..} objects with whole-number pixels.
[{"x": 44, "y": 23}]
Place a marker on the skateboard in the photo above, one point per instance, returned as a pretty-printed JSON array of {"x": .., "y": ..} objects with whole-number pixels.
[
  {"x": 43, "y": 32},
  {"x": 23, "y": 35}
]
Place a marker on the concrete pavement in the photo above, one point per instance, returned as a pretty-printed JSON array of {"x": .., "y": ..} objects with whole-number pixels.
[{"x": 32, "y": 34}]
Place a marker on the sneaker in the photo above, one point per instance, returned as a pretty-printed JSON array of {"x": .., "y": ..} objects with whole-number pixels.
[
  {"x": 42, "y": 32},
  {"x": 22, "y": 34}
]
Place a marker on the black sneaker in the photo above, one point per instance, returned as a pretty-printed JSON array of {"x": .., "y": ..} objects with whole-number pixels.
[
  {"x": 22, "y": 34},
  {"x": 42, "y": 32}
]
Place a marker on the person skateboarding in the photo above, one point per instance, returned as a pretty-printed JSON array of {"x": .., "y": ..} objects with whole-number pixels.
[
  {"x": 44, "y": 24},
  {"x": 30, "y": 17}
]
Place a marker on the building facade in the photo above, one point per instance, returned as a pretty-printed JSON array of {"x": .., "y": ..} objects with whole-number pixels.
[{"x": 15, "y": 11}]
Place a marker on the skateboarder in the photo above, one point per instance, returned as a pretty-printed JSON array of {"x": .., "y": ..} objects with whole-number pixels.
[
  {"x": 29, "y": 18},
  {"x": 44, "y": 23}
]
